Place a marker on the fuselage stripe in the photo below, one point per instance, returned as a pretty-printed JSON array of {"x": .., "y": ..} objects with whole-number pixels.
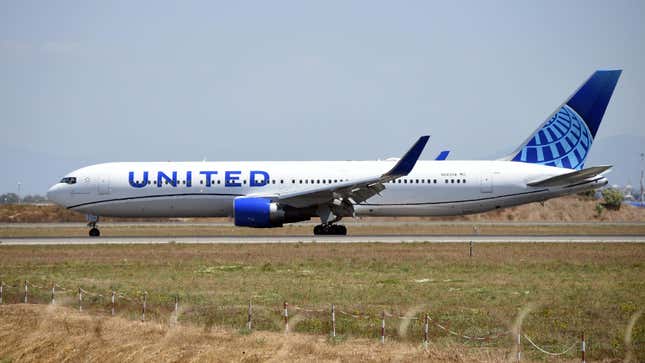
[
  {"x": 458, "y": 201},
  {"x": 154, "y": 196}
]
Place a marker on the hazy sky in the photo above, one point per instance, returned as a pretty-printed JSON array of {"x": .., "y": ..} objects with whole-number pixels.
[{"x": 87, "y": 82}]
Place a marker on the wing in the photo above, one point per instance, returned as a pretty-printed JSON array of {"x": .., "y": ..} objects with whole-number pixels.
[
  {"x": 570, "y": 178},
  {"x": 357, "y": 190}
]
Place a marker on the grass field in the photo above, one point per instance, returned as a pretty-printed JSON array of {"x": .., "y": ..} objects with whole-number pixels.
[{"x": 568, "y": 288}]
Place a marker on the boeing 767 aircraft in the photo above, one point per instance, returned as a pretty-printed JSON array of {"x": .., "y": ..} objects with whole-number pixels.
[{"x": 550, "y": 163}]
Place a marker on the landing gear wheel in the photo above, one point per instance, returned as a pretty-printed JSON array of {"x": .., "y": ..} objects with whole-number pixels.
[
  {"x": 94, "y": 232},
  {"x": 330, "y": 229}
]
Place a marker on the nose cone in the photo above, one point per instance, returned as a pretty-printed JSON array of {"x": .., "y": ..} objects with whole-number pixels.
[{"x": 56, "y": 194}]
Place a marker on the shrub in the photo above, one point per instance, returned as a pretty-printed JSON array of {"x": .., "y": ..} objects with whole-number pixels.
[
  {"x": 613, "y": 198},
  {"x": 599, "y": 210}
]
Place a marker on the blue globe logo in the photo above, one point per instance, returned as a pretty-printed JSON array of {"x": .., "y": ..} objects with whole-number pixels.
[{"x": 564, "y": 141}]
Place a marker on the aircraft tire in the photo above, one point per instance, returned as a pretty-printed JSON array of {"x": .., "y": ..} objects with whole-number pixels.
[
  {"x": 331, "y": 229},
  {"x": 94, "y": 232}
]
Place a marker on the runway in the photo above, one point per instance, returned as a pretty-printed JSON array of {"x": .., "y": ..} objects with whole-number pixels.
[{"x": 322, "y": 239}]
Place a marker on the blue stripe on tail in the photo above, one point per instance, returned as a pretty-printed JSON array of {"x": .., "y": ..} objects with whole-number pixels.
[{"x": 566, "y": 138}]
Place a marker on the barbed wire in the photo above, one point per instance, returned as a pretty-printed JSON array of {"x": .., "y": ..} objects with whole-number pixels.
[
  {"x": 547, "y": 352},
  {"x": 356, "y": 315},
  {"x": 491, "y": 336}
]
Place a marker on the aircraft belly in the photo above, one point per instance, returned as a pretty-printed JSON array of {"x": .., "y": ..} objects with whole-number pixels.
[
  {"x": 174, "y": 206},
  {"x": 449, "y": 204}
]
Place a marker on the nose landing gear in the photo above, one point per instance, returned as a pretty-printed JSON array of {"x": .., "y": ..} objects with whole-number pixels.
[
  {"x": 330, "y": 229},
  {"x": 91, "y": 222}
]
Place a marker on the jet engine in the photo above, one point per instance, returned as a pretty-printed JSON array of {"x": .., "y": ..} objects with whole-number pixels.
[{"x": 263, "y": 213}]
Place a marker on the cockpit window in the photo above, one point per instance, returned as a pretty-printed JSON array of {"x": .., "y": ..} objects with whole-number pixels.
[{"x": 68, "y": 180}]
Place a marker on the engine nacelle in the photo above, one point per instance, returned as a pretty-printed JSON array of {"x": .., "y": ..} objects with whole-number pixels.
[
  {"x": 262, "y": 213},
  {"x": 257, "y": 212}
]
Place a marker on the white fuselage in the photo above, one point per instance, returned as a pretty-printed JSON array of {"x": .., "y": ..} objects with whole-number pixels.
[{"x": 433, "y": 188}]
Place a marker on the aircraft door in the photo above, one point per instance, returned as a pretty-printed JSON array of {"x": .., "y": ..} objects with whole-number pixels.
[
  {"x": 486, "y": 185},
  {"x": 104, "y": 185}
]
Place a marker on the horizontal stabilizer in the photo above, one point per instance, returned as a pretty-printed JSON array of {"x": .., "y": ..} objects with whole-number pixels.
[{"x": 570, "y": 178}]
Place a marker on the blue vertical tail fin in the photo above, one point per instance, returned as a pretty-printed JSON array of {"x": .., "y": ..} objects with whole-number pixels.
[{"x": 565, "y": 138}]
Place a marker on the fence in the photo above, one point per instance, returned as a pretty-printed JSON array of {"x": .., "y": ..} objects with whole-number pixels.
[{"x": 23, "y": 290}]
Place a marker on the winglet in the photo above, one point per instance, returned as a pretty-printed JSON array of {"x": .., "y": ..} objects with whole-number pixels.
[
  {"x": 443, "y": 155},
  {"x": 407, "y": 162}
]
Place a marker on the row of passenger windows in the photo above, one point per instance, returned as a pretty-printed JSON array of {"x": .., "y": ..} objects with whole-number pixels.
[
  {"x": 273, "y": 181},
  {"x": 428, "y": 181},
  {"x": 323, "y": 181}
]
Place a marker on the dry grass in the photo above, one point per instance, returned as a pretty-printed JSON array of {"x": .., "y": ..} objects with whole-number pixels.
[
  {"x": 31, "y": 333},
  {"x": 595, "y": 288}
]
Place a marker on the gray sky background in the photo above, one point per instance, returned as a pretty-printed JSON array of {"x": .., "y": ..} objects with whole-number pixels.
[{"x": 87, "y": 82}]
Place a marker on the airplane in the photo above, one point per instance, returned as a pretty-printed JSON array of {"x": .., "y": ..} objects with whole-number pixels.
[{"x": 267, "y": 194}]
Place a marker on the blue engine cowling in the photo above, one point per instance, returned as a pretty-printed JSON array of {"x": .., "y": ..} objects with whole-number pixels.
[
  {"x": 257, "y": 212},
  {"x": 263, "y": 213}
]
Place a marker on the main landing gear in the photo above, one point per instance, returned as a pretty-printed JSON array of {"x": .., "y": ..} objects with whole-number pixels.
[
  {"x": 330, "y": 229},
  {"x": 91, "y": 222}
]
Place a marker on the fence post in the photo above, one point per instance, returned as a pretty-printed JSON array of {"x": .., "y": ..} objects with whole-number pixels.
[
  {"x": 176, "y": 306},
  {"x": 286, "y": 317},
  {"x": 333, "y": 321},
  {"x": 425, "y": 331},
  {"x": 383, "y": 327},
  {"x": 248, "y": 316},
  {"x": 53, "y": 293},
  {"x": 143, "y": 309},
  {"x": 583, "y": 348},
  {"x": 26, "y": 292},
  {"x": 113, "y": 307},
  {"x": 519, "y": 345},
  {"x": 80, "y": 299},
  {"x": 1, "y": 284},
  {"x": 471, "y": 249}
]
